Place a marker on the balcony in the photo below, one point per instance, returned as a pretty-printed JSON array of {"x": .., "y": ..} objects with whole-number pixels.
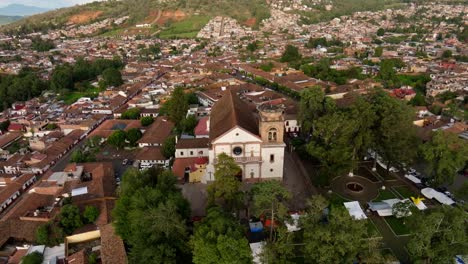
[{"x": 244, "y": 159}]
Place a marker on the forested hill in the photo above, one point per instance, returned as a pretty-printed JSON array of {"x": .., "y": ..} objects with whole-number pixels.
[
  {"x": 140, "y": 11},
  {"x": 246, "y": 12}
]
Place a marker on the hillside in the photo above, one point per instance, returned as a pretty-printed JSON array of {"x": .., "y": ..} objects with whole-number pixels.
[
  {"x": 142, "y": 11},
  {"x": 183, "y": 18}
]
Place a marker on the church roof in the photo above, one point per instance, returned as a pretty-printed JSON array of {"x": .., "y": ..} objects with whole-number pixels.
[{"x": 230, "y": 111}]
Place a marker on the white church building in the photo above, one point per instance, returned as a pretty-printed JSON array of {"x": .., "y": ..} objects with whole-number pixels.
[{"x": 254, "y": 140}]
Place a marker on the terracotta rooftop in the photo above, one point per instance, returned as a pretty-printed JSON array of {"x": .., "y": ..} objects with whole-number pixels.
[
  {"x": 187, "y": 143},
  {"x": 230, "y": 111},
  {"x": 158, "y": 131},
  {"x": 112, "y": 246},
  {"x": 150, "y": 153}
]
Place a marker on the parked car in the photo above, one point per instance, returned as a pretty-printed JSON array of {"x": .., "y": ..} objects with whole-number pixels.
[{"x": 124, "y": 162}]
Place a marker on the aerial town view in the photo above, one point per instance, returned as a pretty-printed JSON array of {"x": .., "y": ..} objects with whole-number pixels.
[{"x": 233, "y": 131}]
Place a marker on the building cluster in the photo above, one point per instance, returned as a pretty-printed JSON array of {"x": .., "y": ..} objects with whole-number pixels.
[{"x": 244, "y": 111}]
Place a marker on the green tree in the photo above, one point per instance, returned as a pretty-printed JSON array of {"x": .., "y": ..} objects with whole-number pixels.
[
  {"x": 150, "y": 217},
  {"x": 438, "y": 235},
  {"x": 338, "y": 241},
  {"x": 225, "y": 190},
  {"x": 396, "y": 141},
  {"x": 313, "y": 105},
  {"x": 177, "y": 107},
  {"x": 117, "y": 139},
  {"x": 146, "y": 121},
  {"x": 189, "y": 124},
  {"x": 62, "y": 78},
  {"x": 387, "y": 73},
  {"x": 331, "y": 144},
  {"x": 112, "y": 77},
  {"x": 270, "y": 197},
  {"x": 378, "y": 51},
  {"x": 70, "y": 218},
  {"x": 133, "y": 135},
  {"x": 447, "y": 54},
  {"x": 361, "y": 117},
  {"x": 169, "y": 147},
  {"x": 380, "y": 32},
  {"x": 78, "y": 156},
  {"x": 291, "y": 54},
  {"x": 132, "y": 113},
  {"x": 42, "y": 234},
  {"x": 91, "y": 213},
  {"x": 252, "y": 46},
  {"x": 445, "y": 154},
  {"x": 33, "y": 258},
  {"x": 219, "y": 238}
]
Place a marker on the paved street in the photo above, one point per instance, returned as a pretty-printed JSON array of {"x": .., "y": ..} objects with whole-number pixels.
[
  {"x": 296, "y": 181},
  {"x": 196, "y": 194}
]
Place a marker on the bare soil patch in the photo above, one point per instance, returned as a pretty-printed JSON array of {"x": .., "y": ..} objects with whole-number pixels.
[{"x": 84, "y": 17}]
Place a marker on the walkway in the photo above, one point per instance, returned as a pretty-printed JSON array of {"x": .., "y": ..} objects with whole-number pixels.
[{"x": 396, "y": 243}]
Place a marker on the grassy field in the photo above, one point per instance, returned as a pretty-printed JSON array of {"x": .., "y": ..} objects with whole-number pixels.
[
  {"x": 372, "y": 230},
  {"x": 404, "y": 191},
  {"x": 384, "y": 195},
  {"x": 71, "y": 97},
  {"x": 187, "y": 28},
  {"x": 397, "y": 225}
]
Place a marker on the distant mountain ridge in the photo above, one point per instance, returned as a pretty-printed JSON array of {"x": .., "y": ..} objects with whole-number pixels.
[
  {"x": 9, "y": 19},
  {"x": 21, "y": 10}
]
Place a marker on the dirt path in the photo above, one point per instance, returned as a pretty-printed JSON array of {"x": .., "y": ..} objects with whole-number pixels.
[{"x": 157, "y": 18}]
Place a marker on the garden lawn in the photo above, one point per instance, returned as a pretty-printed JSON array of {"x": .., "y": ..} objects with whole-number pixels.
[
  {"x": 384, "y": 195},
  {"x": 404, "y": 191},
  {"x": 397, "y": 225},
  {"x": 372, "y": 230}
]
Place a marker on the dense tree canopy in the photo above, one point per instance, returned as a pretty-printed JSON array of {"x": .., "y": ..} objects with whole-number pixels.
[
  {"x": 291, "y": 54},
  {"x": 446, "y": 154},
  {"x": 219, "y": 238},
  {"x": 70, "y": 218},
  {"x": 225, "y": 190},
  {"x": 133, "y": 135},
  {"x": 339, "y": 240},
  {"x": 117, "y": 139},
  {"x": 132, "y": 113},
  {"x": 169, "y": 147},
  {"x": 177, "y": 107},
  {"x": 438, "y": 235},
  {"x": 150, "y": 216},
  {"x": 112, "y": 77},
  {"x": 146, "y": 121},
  {"x": 33, "y": 258},
  {"x": 24, "y": 86}
]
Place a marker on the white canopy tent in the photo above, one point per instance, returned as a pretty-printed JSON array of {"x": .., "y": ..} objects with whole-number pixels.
[
  {"x": 355, "y": 210},
  {"x": 412, "y": 178},
  {"x": 440, "y": 197}
]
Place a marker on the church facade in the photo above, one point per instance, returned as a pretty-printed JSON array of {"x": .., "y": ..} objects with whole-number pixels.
[{"x": 255, "y": 141}]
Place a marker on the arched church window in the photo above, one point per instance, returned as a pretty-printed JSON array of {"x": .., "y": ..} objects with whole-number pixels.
[{"x": 272, "y": 134}]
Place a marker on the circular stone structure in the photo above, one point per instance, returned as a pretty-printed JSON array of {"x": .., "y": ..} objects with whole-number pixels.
[{"x": 356, "y": 188}]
